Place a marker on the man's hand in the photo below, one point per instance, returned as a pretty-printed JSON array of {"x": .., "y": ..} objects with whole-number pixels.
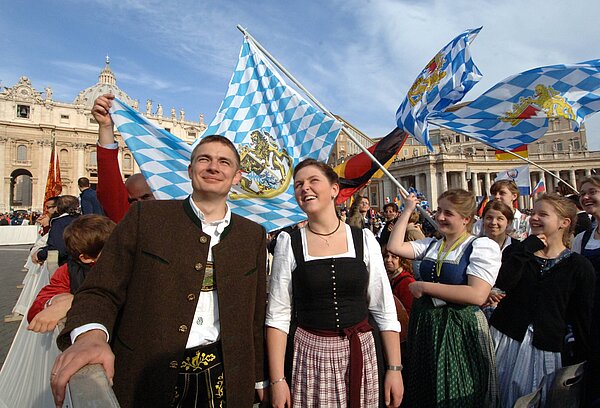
[
  {"x": 89, "y": 348},
  {"x": 393, "y": 388},
  {"x": 46, "y": 320}
]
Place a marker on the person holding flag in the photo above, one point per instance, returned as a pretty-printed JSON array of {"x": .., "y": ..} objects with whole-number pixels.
[{"x": 450, "y": 361}]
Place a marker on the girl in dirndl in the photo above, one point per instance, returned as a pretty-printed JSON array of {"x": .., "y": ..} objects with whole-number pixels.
[
  {"x": 450, "y": 361},
  {"x": 548, "y": 288},
  {"x": 328, "y": 278}
]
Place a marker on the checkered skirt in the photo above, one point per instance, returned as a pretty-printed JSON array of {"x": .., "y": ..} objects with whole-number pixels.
[{"x": 321, "y": 368}]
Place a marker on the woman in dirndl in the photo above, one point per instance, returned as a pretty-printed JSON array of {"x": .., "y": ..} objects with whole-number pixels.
[
  {"x": 328, "y": 278},
  {"x": 450, "y": 361}
]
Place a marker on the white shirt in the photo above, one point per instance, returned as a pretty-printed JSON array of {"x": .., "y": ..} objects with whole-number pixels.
[
  {"x": 379, "y": 293},
  {"x": 592, "y": 243},
  {"x": 206, "y": 326},
  {"x": 484, "y": 262}
]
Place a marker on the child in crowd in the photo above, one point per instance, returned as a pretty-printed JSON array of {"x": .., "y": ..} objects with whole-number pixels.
[
  {"x": 507, "y": 192},
  {"x": 548, "y": 287},
  {"x": 84, "y": 239}
]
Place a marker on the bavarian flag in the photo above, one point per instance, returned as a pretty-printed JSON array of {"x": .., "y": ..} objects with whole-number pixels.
[
  {"x": 519, "y": 150},
  {"x": 359, "y": 169}
]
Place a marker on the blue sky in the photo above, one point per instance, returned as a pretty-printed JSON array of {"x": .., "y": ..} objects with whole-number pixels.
[{"x": 358, "y": 57}]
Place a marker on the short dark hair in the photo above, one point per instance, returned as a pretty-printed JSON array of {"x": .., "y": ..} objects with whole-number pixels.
[
  {"x": 394, "y": 206},
  {"x": 499, "y": 206},
  {"x": 67, "y": 204},
  {"x": 218, "y": 139},
  {"x": 83, "y": 182},
  {"x": 87, "y": 235},
  {"x": 324, "y": 167}
]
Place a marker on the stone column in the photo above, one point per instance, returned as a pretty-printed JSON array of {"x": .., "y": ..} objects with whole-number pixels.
[
  {"x": 463, "y": 180},
  {"x": 79, "y": 165},
  {"x": 572, "y": 178},
  {"x": 588, "y": 172},
  {"x": 486, "y": 183},
  {"x": 444, "y": 182},
  {"x": 475, "y": 183},
  {"x": 431, "y": 185},
  {"x": 4, "y": 160}
]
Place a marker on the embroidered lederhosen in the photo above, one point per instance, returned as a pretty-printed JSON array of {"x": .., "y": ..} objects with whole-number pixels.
[{"x": 201, "y": 382}]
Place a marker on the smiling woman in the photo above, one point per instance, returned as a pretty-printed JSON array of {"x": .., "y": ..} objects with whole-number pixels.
[
  {"x": 333, "y": 279},
  {"x": 450, "y": 359}
]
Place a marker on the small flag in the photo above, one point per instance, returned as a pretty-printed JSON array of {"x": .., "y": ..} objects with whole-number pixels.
[
  {"x": 520, "y": 175},
  {"x": 520, "y": 150},
  {"x": 53, "y": 181},
  {"x": 539, "y": 188},
  {"x": 359, "y": 169},
  {"x": 442, "y": 83},
  {"x": 484, "y": 200},
  {"x": 516, "y": 111}
]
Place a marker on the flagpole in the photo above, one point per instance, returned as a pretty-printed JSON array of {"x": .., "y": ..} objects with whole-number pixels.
[{"x": 328, "y": 113}]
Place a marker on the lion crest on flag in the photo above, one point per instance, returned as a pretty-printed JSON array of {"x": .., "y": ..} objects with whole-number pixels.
[
  {"x": 266, "y": 168},
  {"x": 544, "y": 99},
  {"x": 430, "y": 77}
]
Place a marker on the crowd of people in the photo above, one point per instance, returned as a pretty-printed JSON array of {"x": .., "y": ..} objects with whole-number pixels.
[{"x": 362, "y": 310}]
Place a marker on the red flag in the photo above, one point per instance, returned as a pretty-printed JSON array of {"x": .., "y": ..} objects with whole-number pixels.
[
  {"x": 359, "y": 169},
  {"x": 53, "y": 182}
]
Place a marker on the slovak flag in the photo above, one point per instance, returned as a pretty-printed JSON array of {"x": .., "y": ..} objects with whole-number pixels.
[{"x": 539, "y": 188}]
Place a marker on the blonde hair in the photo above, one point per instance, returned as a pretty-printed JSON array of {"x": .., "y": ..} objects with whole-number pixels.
[
  {"x": 565, "y": 209},
  {"x": 464, "y": 202}
]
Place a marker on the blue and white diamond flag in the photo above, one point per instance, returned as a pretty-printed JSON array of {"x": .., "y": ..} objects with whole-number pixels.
[
  {"x": 516, "y": 110},
  {"x": 162, "y": 157},
  {"x": 272, "y": 126},
  {"x": 442, "y": 83}
]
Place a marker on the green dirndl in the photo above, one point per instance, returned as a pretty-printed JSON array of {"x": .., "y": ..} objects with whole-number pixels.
[{"x": 450, "y": 361}]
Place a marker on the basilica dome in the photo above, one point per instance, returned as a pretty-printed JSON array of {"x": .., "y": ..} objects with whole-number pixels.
[{"x": 107, "y": 83}]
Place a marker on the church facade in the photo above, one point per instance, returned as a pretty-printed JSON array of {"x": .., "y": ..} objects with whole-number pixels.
[{"x": 31, "y": 119}]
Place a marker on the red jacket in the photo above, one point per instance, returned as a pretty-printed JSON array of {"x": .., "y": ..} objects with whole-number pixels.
[
  {"x": 400, "y": 289},
  {"x": 59, "y": 283},
  {"x": 111, "y": 191}
]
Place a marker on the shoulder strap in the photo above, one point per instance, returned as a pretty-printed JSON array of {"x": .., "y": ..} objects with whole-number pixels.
[
  {"x": 586, "y": 237},
  {"x": 357, "y": 239},
  {"x": 296, "y": 240}
]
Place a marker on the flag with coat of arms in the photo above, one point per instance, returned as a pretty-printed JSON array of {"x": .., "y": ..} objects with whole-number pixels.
[
  {"x": 442, "y": 83},
  {"x": 520, "y": 175},
  {"x": 272, "y": 126},
  {"x": 516, "y": 111}
]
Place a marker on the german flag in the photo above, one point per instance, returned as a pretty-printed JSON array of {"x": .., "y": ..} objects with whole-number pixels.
[
  {"x": 359, "y": 169},
  {"x": 484, "y": 200},
  {"x": 520, "y": 150}
]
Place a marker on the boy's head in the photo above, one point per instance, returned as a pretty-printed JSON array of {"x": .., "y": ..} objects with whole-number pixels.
[
  {"x": 86, "y": 236},
  {"x": 505, "y": 191}
]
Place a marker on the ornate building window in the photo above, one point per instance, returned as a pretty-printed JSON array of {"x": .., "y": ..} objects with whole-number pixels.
[
  {"x": 93, "y": 159},
  {"x": 21, "y": 153},
  {"x": 127, "y": 163},
  {"x": 64, "y": 157},
  {"x": 23, "y": 111}
]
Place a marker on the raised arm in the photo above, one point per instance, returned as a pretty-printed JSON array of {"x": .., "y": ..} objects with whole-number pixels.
[
  {"x": 100, "y": 111},
  {"x": 396, "y": 243}
]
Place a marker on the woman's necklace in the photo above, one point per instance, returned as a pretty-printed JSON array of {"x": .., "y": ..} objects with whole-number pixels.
[{"x": 323, "y": 236}]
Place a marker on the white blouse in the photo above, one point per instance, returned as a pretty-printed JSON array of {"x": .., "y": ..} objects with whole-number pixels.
[
  {"x": 484, "y": 262},
  {"x": 379, "y": 292}
]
